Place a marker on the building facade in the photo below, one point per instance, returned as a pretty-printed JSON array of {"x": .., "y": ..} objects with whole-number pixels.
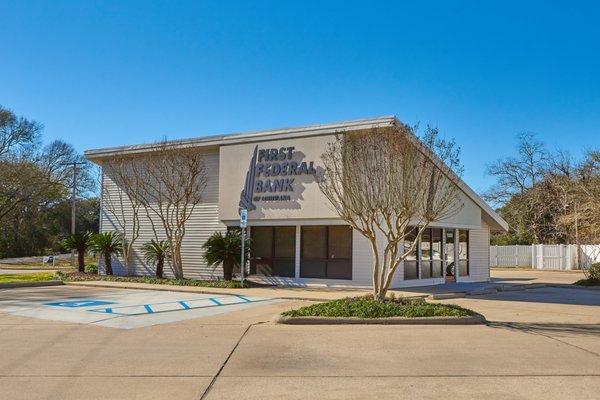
[{"x": 297, "y": 237}]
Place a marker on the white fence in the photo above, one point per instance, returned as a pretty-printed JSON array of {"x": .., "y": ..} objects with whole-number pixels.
[{"x": 544, "y": 256}]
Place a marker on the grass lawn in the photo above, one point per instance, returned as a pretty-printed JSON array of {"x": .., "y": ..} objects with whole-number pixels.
[
  {"x": 33, "y": 277},
  {"x": 366, "y": 307},
  {"x": 79, "y": 277}
]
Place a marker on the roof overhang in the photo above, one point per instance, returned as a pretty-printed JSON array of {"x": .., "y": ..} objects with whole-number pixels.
[{"x": 491, "y": 218}]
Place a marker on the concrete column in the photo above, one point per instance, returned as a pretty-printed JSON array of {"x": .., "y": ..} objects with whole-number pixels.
[{"x": 298, "y": 250}]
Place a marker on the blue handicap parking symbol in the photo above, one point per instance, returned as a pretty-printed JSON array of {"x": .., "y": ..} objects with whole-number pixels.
[{"x": 79, "y": 303}]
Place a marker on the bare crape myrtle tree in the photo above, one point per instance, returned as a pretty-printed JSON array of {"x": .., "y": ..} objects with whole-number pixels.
[
  {"x": 385, "y": 183},
  {"x": 123, "y": 202},
  {"x": 172, "y": 183}
]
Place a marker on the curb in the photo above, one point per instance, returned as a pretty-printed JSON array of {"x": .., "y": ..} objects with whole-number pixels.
[
  {"x": 444, "y": 296},
  {"x": 482, "y": 292},
  {"x": 573, "y": 286},
  {"x": 30, "y": 284},
  {"x": 471, "y": 320}
]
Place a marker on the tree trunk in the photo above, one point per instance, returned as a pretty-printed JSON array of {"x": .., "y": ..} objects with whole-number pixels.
[
  {"x": 227, "y": 270},
  {"x": 159, "y": 268},
  {"x": 81, "y": 260},
  {"x": 177, "y": 265},
  {"x": 107, "y": 264}
]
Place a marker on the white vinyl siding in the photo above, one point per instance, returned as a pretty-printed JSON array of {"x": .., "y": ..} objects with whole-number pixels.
[
  {"x": 479, "y": 255},
  {"x": 203, "y": 222}
]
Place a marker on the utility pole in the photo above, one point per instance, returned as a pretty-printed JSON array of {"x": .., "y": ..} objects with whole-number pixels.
[
  {"x": 577, "y": 237},
  {"x": 73, "y": 202}
]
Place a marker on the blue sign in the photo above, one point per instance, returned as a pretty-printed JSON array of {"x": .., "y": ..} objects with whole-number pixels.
[{"x": 79, "y": 303}]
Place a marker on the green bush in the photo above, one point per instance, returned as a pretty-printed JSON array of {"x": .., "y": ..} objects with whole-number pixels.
[
  {"x": 366, "y": 307},
  {"x": 91, "y": 269},
  {"x": 594, "y": 271}
]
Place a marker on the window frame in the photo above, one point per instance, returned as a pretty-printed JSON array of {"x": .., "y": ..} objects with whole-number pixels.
[
  {"x": 273, "y": 259},
  {"x": 325, "y": 260}
]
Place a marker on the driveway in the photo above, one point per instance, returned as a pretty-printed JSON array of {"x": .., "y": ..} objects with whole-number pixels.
[{"x": 540, "y": 344}]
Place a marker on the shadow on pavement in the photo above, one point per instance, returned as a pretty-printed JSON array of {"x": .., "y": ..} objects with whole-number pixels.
[{"x": 550, "y": 328}]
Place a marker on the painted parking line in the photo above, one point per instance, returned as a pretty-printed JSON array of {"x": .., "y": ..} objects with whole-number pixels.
[{"x": 180, "y": 305}]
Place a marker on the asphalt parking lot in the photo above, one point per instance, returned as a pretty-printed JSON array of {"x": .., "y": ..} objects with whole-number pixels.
[{"x": 540, "y": 344}]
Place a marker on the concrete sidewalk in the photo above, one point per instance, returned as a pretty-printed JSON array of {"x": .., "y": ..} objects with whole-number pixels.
[
  {"x": 510, "y": 280},
  {"x": 277, "y": 292}
]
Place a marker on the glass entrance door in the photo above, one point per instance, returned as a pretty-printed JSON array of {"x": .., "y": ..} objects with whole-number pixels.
[{"x": 273, "y": 250}]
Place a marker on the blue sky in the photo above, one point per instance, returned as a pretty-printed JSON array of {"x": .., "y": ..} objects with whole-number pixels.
[{"x": 111, "y": 73}]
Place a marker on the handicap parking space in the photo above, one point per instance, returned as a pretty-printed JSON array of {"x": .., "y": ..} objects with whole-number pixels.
[{"x": 120, "y": 308}]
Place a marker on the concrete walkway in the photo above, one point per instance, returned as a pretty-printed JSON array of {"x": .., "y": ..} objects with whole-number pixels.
[
  {"x": 286, "y": 293},
  {"x": 501, "y": 280}
]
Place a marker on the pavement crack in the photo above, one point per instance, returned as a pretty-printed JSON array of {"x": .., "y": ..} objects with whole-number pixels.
[{"x": 214, "y": 379}]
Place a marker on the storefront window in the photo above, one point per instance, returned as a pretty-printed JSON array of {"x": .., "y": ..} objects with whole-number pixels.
[
  {"x": 450, "y": 267},
  {"x": 326, "y": 252},
  {"x": 463, "y": 252},
  {"x": 425, "y": 254},
  {"x": 273, "y": 250},
  {"x": 436, "y": 253},
  {"x": 410, "y": 263}
]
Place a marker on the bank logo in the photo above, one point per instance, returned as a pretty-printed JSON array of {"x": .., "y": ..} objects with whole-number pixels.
[
  {"x": 248, "y": 191},
  {"x": 271, "y": 176}
]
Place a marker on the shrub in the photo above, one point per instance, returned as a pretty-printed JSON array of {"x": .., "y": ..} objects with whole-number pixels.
[
  {"x": 366, "y": 307},
  {"x": 91, "y": 269},
  {"x": 225, "y": 250},
  {"x": 594, "y": 271}
]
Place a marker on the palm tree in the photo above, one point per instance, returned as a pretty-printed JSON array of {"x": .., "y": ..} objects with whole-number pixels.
[
  {"x": 225, "y": 250},
  {"x": 155, "y": 252},
  {"x": 106, "y": 244},
  {"x": 79, "y": 242}
]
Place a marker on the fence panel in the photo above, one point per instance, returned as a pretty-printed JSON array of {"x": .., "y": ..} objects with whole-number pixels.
[
  {"x": 544, "y": 256},
  {"x": 510, "y": 256}
]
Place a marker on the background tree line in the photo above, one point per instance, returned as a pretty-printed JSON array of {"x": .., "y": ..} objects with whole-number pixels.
[
  {"x": 35, "y": 189},
  {"x": 547, "y": 196}
]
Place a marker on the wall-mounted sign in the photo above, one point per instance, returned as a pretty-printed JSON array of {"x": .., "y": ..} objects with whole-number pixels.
[{"x": 271, "y": 176}]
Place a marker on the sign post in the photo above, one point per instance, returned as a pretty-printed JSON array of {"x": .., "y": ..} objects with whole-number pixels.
[{"x": 243, "y": 225}]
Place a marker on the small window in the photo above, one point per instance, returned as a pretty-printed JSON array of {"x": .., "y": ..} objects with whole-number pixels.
[
  {"x": 426, "y": 254},
  {"x": 436, "y": 253},
  {"x": 411, "y": 270},
  {"x": 463, "y": 252}
]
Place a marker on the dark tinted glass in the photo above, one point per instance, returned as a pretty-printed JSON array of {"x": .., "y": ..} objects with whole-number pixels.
[
  {"x": 313, "y": 269},
  {"x": 285, "y": 241},
  {"x": 339, "y": 269},
  {"x": 340, "y": 242},
  {"x": 410, "y": 270},
  {"x": 284, "y": 268},
  {"x": 262, "y": 241},
  {"x": 314, "y": 242}
]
